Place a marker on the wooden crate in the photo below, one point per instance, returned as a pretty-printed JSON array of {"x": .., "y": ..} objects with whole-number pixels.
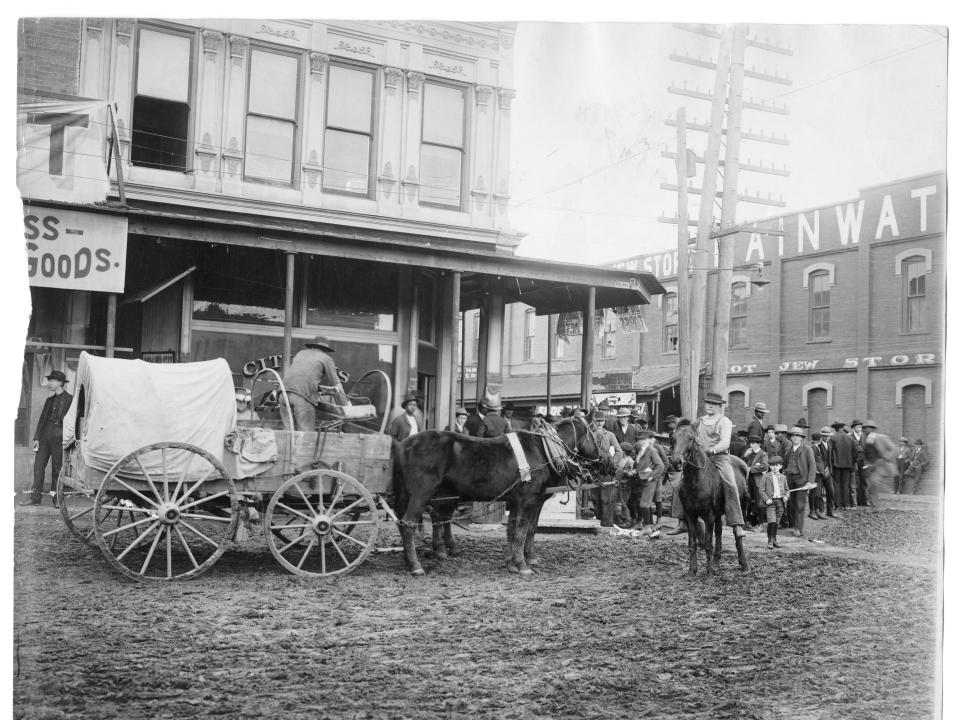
[{"x": 363, "y": 456}]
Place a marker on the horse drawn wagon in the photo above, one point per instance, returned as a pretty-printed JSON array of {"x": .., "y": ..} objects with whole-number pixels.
[{"x": 161, "y": 475}]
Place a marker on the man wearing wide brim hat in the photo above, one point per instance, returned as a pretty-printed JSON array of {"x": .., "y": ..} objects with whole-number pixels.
[
  {"x": 756, "y": 422},
  {"x": 311, "y": 368},
  {"x": 410, "y": 422},
  {"x": 48, "y": 438},
  {"x": 713, "y": 432},
  {"x": 800, "y": 467},
  {"x": 623, "y": 429},
  {"x": 494, "y": 424}
]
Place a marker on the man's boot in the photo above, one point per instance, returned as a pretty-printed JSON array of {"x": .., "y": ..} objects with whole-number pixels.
[
  {"x": 776, "y": 544},
  {"x": 679, "y": 529},
  {"x": 771, "y": 529},
  {"x": 659, "y": 507}
]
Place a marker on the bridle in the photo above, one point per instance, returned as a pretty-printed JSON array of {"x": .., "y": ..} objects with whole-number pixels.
[{"x": 692, "y": 452}]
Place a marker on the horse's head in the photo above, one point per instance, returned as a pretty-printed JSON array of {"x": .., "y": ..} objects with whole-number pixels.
[
  {"x": 586, "y": 441},
  {"x": 685, "y": 443}
]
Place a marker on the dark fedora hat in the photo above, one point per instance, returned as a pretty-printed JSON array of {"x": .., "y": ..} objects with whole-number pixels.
[
  {"x": 870, "y": 423},
  {"x": 856, "y": 422},
  {"x": 838, "y": 424},
  {"x": 57, "y": 375},
  {"x": 714, "y": 399},
  {"x": 320, "y": 342},
  {"x": 408, "y": 399}
]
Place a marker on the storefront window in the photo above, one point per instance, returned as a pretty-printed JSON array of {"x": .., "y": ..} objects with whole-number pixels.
[
  {"x": 239, "y": 284},
  {"x": 352, "y": 293}
]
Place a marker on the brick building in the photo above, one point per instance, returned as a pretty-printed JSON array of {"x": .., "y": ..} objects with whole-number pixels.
[{"x": 850, "y": 326}]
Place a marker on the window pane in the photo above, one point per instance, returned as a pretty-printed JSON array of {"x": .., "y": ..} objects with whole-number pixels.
[
  {"x": 443, "y": 115},
  {"x": 238, "y": 283},
  {"x": 273, "y": 84},
  {"x": 346, "y": 162},
  {"x": 269, "y": 154},
  {"x": 440, "y": 175},
  {"x": 916, "y": 312},
  {"x": 163, "y": 66},
  {"x": 352, "y": 293},
  {"x": 738, "y": 331},
  {"x": 159, "y": 134},
  {"x": 350, "y": 99}
]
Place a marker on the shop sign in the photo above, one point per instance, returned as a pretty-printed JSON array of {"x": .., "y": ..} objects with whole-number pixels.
[
  {"x": 275, "y": 362},
  {"x": 75, "y": 250},
  {"x": 615, "y": 399},
  {"x": 614, "y": 381},
  {"x": 469, "y": 373},
  {"x": 850, "y": 363}
]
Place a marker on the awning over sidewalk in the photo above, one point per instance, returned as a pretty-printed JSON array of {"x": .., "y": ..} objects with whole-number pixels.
[
  {"x": 652, "y": 379},
  {"x": 532, "y": 388}
]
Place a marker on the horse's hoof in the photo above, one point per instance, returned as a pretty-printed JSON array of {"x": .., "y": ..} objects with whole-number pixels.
[
  {"x": 526, "y": 572},
  {"x": 744, "y": 567},
  {"x": 418, "y": 572},
  {"x": 440, "y": 555},
  {"x": 454, "y": 551},
  {"x": 534, "y": 561},
  {"x": 513, "y": 568}
]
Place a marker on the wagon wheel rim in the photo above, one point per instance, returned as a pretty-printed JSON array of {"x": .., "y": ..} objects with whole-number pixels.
[
  {"x": 76, "y": 509},
  {"x": 322, "y": 523},
  {"x": 159, "y": 513}
]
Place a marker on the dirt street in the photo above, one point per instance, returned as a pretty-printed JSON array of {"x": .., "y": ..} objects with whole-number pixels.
[{"x": 607, "y": 629}]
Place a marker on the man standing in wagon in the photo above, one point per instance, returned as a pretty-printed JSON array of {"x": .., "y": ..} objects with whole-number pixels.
[
  {"x": 48, "y": 439},
  {"x": 311, "y": 368}
]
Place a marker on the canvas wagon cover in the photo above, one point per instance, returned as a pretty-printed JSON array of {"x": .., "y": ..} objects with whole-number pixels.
[{"x": 131, "y": 403}]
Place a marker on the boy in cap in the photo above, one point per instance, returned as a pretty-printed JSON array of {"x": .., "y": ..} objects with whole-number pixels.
[
  {"x": 460, "y": 422},
  {"x": 625, "y": 474},
  {"x": 649, "y": 468},
  {"x": 773, "y": 494},
  {"x": 48, "y": 438},
  {"x": 757, "y": 464}
]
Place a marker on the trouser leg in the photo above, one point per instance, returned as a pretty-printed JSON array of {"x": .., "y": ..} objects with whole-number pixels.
[
  {"x": 56, "y": 455},
  {"x": 829, "y": 493},
  {"x": 40, "y": 461},
  {"x": 730, "y": 491},
  {"x": 676, "y": 507}
]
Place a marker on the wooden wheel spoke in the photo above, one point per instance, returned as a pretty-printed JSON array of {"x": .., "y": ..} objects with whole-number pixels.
[
  {"x": 196, "y": 532},
  {"x": 291, "y": 526},
  {"x": 305, "y": 500},
  {"x": 203, "y": 500},
  {"x": 149, "y": 478},
  {"x": 187, "y": 548},
  {"x": 183, "y": 476},
  {"x": 81, "y": 513},
  {"x": 323, "y": 554},
  {"x": 291, "y": 510},
  {"x": 351, "y": 539},
  {"x": 166, "y": 488},
  {"x": 127, "y": 527},
  {"x": 136, "y": 492},
  {"x": 354, "y": 522},
  {"x": 293, "y": 542},
  {"x": 169, "y": 554},
  {"x": 347, "y": 508},
  {"x": 306, "y": 552},
  {"x": 153, "y": 547},
  {"x": 123, "y": 508},
  {"x": 197, "y": 484},
  {"x": 139, "y": 540},
  {"x": 338, "y": 494},
  {"x": 346, "y": 563}
]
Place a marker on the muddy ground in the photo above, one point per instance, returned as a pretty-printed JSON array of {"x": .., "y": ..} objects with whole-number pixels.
[{"x": 607, "y": 629}]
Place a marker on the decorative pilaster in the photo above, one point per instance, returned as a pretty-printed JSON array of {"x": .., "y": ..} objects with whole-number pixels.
[
  {"x": 484, "y": 156},
  {"x": 209, "y": 108},
  {"x": 389, "y": 197},
  {"x": 392, "y": 79},
  {"x": 123, "y": 83},
  {"x": 234, "y": 114},
  {"x": 124, "y": 32},
  {"x": 501, "y": 187},
  {"x": 410, "y": 185},
  {"x": 414, "y": 81},
  {"x": 93, "y": 61},
  {"x": 311, "y": 168}
]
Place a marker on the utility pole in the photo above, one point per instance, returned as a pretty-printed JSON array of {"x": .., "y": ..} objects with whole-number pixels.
[
  {"x": 728, "y": 215},
  {"x": 688, "y": 401},
  {"x": 704, "y": 249}
]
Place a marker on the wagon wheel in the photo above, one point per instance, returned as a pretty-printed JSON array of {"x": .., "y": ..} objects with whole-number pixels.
[
  {"x": 76, "y": 508},
  {"x": 322, "y": 523},
  {"x": 156, "y": 516}
]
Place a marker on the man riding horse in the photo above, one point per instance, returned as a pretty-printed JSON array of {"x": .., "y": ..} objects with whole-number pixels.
[{"x": 713, "y": 433}]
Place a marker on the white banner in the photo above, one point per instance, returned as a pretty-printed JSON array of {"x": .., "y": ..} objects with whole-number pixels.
[
  {"x": 61, "y": 151},
  {"x": 75, "y": 250},
  {"x": 616, "y": 399}
]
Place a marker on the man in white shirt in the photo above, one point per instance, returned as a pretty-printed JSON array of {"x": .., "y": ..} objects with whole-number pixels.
[{"x": 407, "y": 424}]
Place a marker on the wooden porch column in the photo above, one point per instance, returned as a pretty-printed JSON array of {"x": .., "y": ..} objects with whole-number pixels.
[
  {"x": 586, "y": 352},
  {"x": 447, "y": 368},
  {"x": 288, "y": 314},
  {"x": 111, "y": 324},
  {"x": 551, "y": 331},
  {"x": 490, "y": 362}
]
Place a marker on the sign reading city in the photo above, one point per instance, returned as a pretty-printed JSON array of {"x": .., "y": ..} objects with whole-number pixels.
[{"x": 75, "y": 250}]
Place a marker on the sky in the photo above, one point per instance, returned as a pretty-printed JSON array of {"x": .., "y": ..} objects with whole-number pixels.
[{"x": 867, "y": 105}]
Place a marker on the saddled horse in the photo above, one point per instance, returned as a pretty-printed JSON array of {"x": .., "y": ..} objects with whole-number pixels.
[
  {"x": 701, "y": 492},
  {"x": 451, "y": 464}
]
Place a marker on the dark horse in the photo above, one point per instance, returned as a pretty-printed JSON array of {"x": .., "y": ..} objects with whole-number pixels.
[
  {"x": 449, "y": 464},
  {"x": 701, "y": 492}
]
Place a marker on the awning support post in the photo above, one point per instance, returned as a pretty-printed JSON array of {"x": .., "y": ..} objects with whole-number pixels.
[
  {"x": 586, "y": 353},
  {"x": 288, "y": 314}
]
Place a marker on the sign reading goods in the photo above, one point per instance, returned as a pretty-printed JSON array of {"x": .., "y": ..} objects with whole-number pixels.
[{"x": 75, "y": 250}]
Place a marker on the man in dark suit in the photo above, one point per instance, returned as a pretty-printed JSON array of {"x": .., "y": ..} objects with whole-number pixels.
[
  {"x": 843, "y": 460},
  {"x": 407, "y": 424},
  {"x": 474, "y": 424},
  {"x": 738, "y": 444},
  {"x": 800, "y": 467},
  {"x": 856, "y": 489},
  {"x": 48, "y": 439},
  {"x": 756, "y": 422},
  {"x": 493, "y": 424},
  {"x": 824, "y": 455},
  {"x": 624, "y": 430},
  {"x": 756, "y": 460},
  {"x": 821, "y": 458}
]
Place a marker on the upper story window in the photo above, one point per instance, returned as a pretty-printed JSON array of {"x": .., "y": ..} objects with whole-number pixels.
[
  {"x": 272, "y": 116},
  {"x": 529, "y": 333},
  {"x": 671, "y": 322},
  {"x": 160, "y": 126},
  {"x": 738, "y": 314},
  {"x": 819, "y": 283},
  {"x": 442, "y": 144},
  {"x": 348, "y": 137},
  {"x": 914, "y": 295}
]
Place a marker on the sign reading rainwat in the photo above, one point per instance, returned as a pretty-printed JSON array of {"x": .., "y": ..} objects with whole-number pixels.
[{"x": 75, "y": 250}]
